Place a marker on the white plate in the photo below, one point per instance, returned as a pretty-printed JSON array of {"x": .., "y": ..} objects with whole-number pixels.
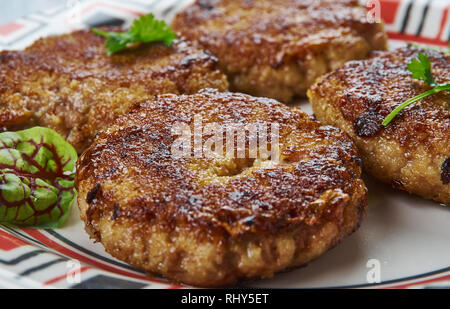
[{"x": 403, "y": 242}]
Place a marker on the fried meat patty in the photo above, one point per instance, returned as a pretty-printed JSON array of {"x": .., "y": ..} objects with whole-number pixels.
[
  {"x": 69, "y": 84},
  {"x": 277, "y": 48},
  {"x": 413, "y": 152},
  {"x": 210, "y": 221}
]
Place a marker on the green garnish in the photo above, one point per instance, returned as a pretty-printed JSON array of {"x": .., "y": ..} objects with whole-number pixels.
[
  {"x": 420, "y": 69},
  {"x": 144, "y": 30},
  {"x": 37, "y": 171}
]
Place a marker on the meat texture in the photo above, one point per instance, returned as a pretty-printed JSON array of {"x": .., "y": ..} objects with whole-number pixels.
[
  {"x": 413, "y": 152},
  {"x": 68, "y": 83},
  {"x": 212, "y": 220},
  {"x": 277, "y": 48}
]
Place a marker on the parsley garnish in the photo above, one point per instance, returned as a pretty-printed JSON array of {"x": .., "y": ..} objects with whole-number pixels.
[
  {"x": 145, "y": 29},
  {"x": 420, "y": 69}
]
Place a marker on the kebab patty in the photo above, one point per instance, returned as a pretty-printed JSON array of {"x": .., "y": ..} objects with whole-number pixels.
[
  {"x": 69, "y": 83},
  {"x": 277, "y": 48},
  {"x": 413, "y": 152},
  {"x": 212, "y": 220}
]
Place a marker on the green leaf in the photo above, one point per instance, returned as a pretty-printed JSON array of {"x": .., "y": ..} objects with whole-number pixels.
[
  {"x": 148, "y": 29},
  {"x": 144, "y": 30},
  {"x": 421, "y": 69},
  {"x": 408, "y": 102},
  {"x": 37, "y": 171}
]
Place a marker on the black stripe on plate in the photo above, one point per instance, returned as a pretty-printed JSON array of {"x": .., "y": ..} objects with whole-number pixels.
[
  {"x": 91, "y": 253},
  {"x": 406, "y": 17},
  {"x": 21, "y": 236},
  {"x": 23, "y": 257},
  {"x": 400, "y": 280},
  {"x": 108, "y": 282},
  {"x": 368, "y": 285},
  {"x": 424, "y": 17},
  {"x": 41, "y": 267},
  {"x": 448, "y": 39}
]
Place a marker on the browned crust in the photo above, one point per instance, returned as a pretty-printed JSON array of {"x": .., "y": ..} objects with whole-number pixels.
[
  {"x": 410, "y": 152},
  {"x": 277, "y": 48},
  {"x": 69, "y": 84},
  {"x": 129, "y": 181}
]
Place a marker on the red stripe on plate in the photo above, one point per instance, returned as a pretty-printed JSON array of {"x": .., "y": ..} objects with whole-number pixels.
[
  {"x": 443, "y": 22},
  {"x": 420, "y": 283},
  {"x": 389, "y": 10},
  {"x": 54, "y": 280},
  {"x": 10, "y": 242},
  {"x": 10, "y": 28},
  {"x": 68, "y": 252}
]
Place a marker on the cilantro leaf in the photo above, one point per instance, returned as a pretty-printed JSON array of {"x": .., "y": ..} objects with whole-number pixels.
[
  {"x": 420, "y": 69},
  {"x": 143, "y": 30},
  {"x": 148, "y": 29}
]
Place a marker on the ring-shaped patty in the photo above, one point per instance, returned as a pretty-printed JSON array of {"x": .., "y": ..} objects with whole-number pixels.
[{"x": 212, "y": 221}]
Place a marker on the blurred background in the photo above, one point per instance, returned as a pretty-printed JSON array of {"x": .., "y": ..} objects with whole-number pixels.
[{"x": 13, "y": 9}]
